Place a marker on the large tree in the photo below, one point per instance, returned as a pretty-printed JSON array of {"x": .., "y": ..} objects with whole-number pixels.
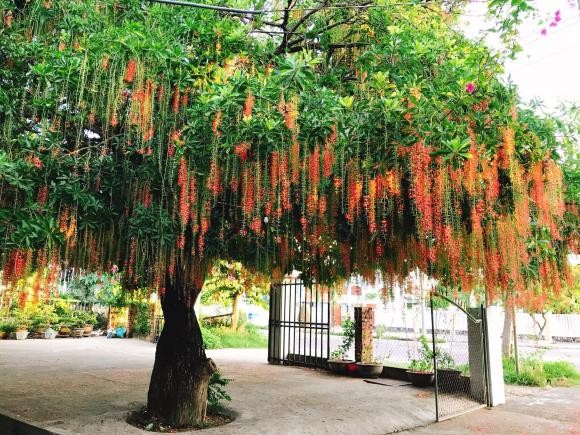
[{"x": 319, "y": 137}]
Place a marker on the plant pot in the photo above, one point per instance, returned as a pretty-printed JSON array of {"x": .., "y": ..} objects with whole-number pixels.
[
  {"x": 3, "y": 335},
  {"x": 21, "y": 334},
  {"x": 448, "y": 380},
  {"x": 339, "y": 366},
  {"x": 465, "y": 383},
  {"x": 421, "y": 379},
  {"x": 88, "y": 331},
  {"x": 64, "y": 331},
  {"x": 369, "y": 370},
  {"x": 49, "y": 333},
  {"x": 399, "y": 373},
  {"x": 78, "y": 332}
]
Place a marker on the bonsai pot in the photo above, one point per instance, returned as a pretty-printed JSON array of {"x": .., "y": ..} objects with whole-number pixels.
[
  {"x": 3, "y": 335},
  {"x": 339, "y": 366},
  {"x": 448, "y": 380},
  {"x": 40, "y": 329},
  {"x": 64, "y": 331},
  {"x": 88, "y": 330},
  {"x": 78, "y": 332},
  {"x": 369, "y": 370},
  {"x": 420, "y": 379},
  {"x": 49, "y": 333},
  {"x": 21, "y": 334}
]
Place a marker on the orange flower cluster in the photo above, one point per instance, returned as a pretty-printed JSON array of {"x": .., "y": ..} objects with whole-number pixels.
[
  {"x": 248, "y": 105},
  {"x": 130, "y": 71}
]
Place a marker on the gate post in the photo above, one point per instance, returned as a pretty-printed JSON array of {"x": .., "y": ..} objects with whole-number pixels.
[
  {"x": 485, "y": 355},
  {"x": 476, "y": 348},
  {"x": 364, "y": 321},
  {"x": 493, "y": 323}
]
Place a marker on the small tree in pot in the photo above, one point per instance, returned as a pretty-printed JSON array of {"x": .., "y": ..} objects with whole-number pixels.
[
  {"x": 421, "y": 369},
  {"x": 338, "y": 363}
]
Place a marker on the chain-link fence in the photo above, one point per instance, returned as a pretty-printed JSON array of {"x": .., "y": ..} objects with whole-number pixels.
[{"x": 458, "y": 358}]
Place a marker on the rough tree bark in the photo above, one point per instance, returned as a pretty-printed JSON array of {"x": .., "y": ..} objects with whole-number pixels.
[
  {"x": 181, "y": 373},
  {"x": 236, "y": 311}
]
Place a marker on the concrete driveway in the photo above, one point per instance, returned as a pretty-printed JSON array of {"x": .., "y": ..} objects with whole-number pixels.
[{"x": 87, "y": 386}]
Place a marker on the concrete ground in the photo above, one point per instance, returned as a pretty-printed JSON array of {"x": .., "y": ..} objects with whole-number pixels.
[
  {"x": 87, "y": 386},
  {"x": 529, "y": 411}
]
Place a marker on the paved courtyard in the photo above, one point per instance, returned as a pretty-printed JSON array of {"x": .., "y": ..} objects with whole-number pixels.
[{"x": 87, "y": 386}]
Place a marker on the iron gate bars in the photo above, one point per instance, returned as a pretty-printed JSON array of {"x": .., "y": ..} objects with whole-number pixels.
[
  {"x": 460, "y": 357},
  {"x": 299, "y": 324}
]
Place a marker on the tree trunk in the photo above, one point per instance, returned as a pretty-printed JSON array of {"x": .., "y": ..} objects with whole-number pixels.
[
  {"x": 236, "y": 311},
  {"x": 506, "y": 343},
  {"x": 131, "y": 319},
  {"x": 181, "y": 373}
]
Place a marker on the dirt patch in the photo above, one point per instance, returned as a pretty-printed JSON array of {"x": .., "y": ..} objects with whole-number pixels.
[{"x": 143, "y": 420}]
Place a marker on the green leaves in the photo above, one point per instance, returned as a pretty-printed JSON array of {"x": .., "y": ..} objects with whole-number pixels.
[
  {"x": 297, "y": 71},
  {"x": 454, "y": 151}
]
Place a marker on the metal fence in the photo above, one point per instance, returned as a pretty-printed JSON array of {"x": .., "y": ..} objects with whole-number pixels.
[
  {"x": 459, "y": 361},
  {"x": 299, "y": 324}
]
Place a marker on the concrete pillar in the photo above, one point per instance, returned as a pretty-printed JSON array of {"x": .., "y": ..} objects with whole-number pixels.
[
  {"x": 476, "y": 367},
  {"x": 494, "y": 317},
  {"x": 476, "y": 355},
  {"x": 364, "y": 321}
]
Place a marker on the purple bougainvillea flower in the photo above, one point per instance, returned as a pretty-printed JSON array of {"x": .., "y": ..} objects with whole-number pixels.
[
  {"x": 558, "y": 18},
  {"x": 553, "y": 24},
  {"x": 558, "y": 13},
  {"x": 544, "y": 32},
  {"x": 470, "y": 88}
]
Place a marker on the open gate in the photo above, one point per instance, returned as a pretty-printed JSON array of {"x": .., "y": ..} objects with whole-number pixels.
[
  {"x": 299, "y": 324},
  {"x": 460, "y": 357}
]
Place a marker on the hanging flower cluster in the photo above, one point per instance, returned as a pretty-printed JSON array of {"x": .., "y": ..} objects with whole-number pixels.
[{"x": 164, "y": 172}]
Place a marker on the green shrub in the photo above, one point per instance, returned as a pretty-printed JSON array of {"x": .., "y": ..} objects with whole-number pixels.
[
  {"x": 216, "y": 393},
  {"x": 42, "y": 315},
  {"x": 101, "y": 322},
  {"x": 535, "y": 372},
  {"x": 9, "y": 326},
  {"x": 561, "y": 372},
  {"x": 143, "y": 320},
  {"x": 210, "y": 339},
  {"x": 222, "y": 337}
]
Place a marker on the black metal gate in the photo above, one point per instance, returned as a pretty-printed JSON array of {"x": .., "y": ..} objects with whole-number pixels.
[
  {"x": 299, "y": 324},
  {"x": 459, "y": 357}
]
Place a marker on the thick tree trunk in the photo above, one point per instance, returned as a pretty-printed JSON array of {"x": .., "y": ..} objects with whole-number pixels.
[
  {"x": 506, "y": 343},
  {"x": 180, "y": 378},
  {"x": 236, "y": 311}
]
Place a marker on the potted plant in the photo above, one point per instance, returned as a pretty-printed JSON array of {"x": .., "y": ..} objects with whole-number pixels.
[
  {"x": 370, "y": 369},
  {"x": 41, "y": 319},
  {"x": 88, "y": 319},
  {"x": 65, "y": 318},
  {"x": 338, "y": 363},
  {"x": 421, "y": 369},
  {"x": 447, "y": 375},
  {"x": 78, "y": 325},
  {"x": 7, "y": 329},
  {"x": 22, "y": 331}
]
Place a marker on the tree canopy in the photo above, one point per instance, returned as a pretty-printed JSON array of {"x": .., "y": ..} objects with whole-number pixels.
[{"x": 327, "y": 139}]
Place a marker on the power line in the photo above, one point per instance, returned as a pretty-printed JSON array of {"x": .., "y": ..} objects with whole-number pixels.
[
  {"x": 210, "y": 7},
  {"x": 266, "y": 11}
]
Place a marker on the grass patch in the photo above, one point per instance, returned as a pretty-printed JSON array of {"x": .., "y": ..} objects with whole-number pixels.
[
  {"x": 535, "y": 372},
  {"x": 561, "y": 373},
  {"x": 224, "y": 338}
]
